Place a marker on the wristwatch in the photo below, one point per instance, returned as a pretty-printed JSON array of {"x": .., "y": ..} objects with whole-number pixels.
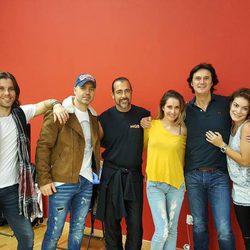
[{"x": 223, "y": 148}]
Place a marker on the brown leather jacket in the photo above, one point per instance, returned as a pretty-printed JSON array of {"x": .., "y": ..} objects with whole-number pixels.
[{"x": 60, "y": 149}]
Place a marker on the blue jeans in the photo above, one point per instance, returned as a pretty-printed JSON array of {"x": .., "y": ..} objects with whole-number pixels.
[
  {"x": 165, "y": 202},
  {"x": 213, "y": 187},
  {"x": 73, "y": 198},
  {"x": 22, "y": 228}
]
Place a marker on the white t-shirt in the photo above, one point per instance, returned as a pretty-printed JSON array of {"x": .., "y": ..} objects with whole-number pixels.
[
  {"x": 9, "y": 169},
  {"x": 86, "y": 170}
]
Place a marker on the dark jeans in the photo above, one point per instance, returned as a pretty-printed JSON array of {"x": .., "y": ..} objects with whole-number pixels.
[
  {"x": 113, "y": 233},
  {"x": 213, "y": 187},
  {"x": 243, "y": 217},
  {"x": 22, "y": 228}
]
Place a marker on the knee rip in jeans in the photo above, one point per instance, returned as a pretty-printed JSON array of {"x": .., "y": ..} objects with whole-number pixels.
[
  {"x": 77, "y": 237},
  {"x": 79, "y": 221},
  {"x": 163, "y": 214},
  {"x": 84, "y": 200},
  {"x": 60, "y": 209},
  {"x": 172, "y": 212}
]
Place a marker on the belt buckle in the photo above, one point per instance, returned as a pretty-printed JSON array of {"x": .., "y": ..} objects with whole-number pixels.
[{"x": 207, "y": 169}]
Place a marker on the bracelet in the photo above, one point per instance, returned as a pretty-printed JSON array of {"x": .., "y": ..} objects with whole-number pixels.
[
  {"x": 54, "y": 102},
  {"x": 223, "y": 148}
]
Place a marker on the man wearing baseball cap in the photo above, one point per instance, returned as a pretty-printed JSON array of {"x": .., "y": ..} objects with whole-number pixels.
[{"x": 66, "y": 157}]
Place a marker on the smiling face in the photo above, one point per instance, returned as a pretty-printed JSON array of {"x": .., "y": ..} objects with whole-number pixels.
[
  {"x": 202, "y": 82},
  {"x": 171, "y": 109},
  {"x": 239, "y": 109},
  {"x": 7, "y": 94},
  {"x": 84, "y": 95},
  {"x": 122, "y": 95}
]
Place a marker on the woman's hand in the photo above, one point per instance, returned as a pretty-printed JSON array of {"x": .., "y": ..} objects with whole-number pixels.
[{"x": 215, "y": 138}]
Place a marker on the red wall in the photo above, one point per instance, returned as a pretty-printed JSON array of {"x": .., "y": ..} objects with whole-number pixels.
[{"x": 45, "y": 44}]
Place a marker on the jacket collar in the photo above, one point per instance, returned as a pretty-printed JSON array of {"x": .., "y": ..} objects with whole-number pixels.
[
  {"x": 75, "y": 125},
  {"x": 73, "y": 121},
  {"x": 69, "y": 106}
]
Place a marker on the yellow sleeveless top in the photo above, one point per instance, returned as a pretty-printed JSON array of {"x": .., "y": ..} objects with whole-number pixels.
[{"x": 165, "y": 155}]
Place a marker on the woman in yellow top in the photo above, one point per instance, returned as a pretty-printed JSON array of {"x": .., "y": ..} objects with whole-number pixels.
[{"x": 165, "y": 141}]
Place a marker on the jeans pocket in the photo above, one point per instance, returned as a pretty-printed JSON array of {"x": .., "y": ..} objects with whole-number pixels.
[
  {"x": 192, "y": 178},
  {"x": 220, "y": 172},
  {"x": 151, "y": 184}
]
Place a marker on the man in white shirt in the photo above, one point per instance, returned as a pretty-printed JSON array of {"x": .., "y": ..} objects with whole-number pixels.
[
  {"x": 66, "y": 158},
  {"x": 17, "y": 196}
]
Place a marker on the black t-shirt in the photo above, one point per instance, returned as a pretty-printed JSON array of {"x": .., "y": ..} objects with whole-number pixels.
[
  {"x": 199, "y": 152},
  {"x": 123, "y": 136}
]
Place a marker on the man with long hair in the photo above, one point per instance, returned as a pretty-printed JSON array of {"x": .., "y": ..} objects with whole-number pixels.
[{"x": 18, "y": 200}]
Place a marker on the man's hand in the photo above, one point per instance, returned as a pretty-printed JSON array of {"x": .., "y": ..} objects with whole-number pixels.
[
  {"x": 60, "y": 113},
  {"x": 145, "y": 122},
  {"x": 215, "y": 138},
  {"x": 48, "y": 189}
]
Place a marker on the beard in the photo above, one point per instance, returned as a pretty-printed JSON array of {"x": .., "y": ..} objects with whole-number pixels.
[{"x": 123, "y": 106}]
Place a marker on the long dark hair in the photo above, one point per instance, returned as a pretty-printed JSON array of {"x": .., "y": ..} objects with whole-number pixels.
[{"x": 7, "y": 75}]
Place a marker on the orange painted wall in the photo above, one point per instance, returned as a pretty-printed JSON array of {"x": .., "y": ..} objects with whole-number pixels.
[{"x": 45, "y": 44}]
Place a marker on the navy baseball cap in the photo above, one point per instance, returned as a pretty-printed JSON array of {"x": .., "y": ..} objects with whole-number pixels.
[{"x": 84, "y": 78}]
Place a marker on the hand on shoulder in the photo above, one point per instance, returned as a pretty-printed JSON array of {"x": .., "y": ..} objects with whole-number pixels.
[
  {"x": 145, "y": 122},
  {"x": 183, "y": 130}
]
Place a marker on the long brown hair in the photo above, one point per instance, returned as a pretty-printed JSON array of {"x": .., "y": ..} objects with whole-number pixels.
[
  {"x": 244, "y": 93},
  {"x": 179, "y": 97}
]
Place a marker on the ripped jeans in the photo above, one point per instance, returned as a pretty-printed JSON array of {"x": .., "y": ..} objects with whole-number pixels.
[
  {"x": 165, "y": 202},
  {"x": 73, "y": 198}
]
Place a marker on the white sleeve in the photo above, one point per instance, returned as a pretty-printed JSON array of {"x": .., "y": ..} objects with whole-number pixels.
[{"x": 29, "y": 111}]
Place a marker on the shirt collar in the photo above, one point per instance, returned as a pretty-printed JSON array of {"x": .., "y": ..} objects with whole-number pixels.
[
  {"x": 213, "y": 98},
  {"x": 68, "y": 105}
]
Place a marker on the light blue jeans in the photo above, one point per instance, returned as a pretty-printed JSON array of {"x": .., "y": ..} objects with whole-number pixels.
[
  {"x": 165, "y": 202},
  {"x": 73, "y": 198}
]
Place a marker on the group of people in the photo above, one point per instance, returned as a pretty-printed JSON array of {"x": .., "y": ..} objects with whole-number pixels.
[
  {"x": 189, "y": 147},
  {"x": 213, "y": 132}
]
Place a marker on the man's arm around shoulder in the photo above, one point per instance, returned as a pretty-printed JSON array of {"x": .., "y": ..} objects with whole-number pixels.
[{"x": 59, "y": 112}]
